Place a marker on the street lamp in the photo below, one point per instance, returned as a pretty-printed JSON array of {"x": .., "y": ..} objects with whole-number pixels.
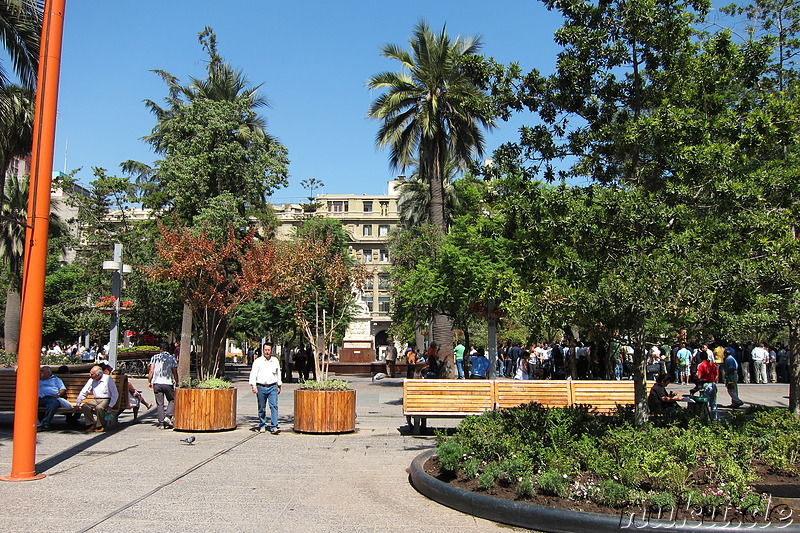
[{"x": 118, "y": 269}]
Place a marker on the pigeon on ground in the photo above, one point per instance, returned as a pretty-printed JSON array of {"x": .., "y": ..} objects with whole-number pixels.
[{"x": 188, "y": 440}]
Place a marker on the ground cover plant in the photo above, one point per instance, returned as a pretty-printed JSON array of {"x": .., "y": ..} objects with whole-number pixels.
[{"x": 675, "y": 468}]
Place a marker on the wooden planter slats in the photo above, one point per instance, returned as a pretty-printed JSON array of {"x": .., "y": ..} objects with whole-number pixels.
[
  {"x": 324, "y": 411},
  {"x": 205, "y": 409}
]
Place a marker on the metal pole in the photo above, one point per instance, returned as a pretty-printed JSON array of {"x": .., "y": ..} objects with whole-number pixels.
[
  {"x": 23, "y": 461},
  {"x": 116, "y": 292}
]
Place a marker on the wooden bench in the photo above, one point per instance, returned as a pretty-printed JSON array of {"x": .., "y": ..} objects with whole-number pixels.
[
  {"x": 72, "y": 382},
  {"x": 446, "y": 398},
  {"x": 603, "y": 396},
  {"x": 520, "y": 392}
]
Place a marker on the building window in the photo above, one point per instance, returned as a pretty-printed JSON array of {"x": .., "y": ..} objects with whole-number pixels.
[
  {"x": 367, "y": 232},
  {"x": 384, "y": 208},
  {"x": 383, "y": 304},
  {"x": 383, "y": 230},
  {"x": 369, "y": 284},
  {"x": 368, "y": 207},
  {"x": 338, "y": 207},
  {"x": 367, "y": 255},
  {"x": 383, "y": 283},
  {"x": 369, "y": 302},
  {"x": 384, "y": 256}
]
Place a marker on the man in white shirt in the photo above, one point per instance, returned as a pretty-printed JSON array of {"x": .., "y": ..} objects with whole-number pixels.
[
  {"x": 760, "y": 358},
  {"x": 265, "y": 380},
  {"x": 104, "y": 392},
  {"x": 161, "y": 377}
]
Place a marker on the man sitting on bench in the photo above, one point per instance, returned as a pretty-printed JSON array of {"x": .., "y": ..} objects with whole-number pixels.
[
  {"x": 51, "y": 395},
  {"x": 104, "y": 390},
  {"x": 660, "y": 401}
]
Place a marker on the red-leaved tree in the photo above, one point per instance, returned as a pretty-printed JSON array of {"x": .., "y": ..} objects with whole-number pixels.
[{"x": 217, "y": 274}]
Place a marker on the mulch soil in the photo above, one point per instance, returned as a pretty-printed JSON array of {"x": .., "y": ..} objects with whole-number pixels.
[{"x": 784, "y": 504}]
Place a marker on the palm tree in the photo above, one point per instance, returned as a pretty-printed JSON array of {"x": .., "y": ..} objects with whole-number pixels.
[
  {"x": 414, "y": 199},
  {"x": 429, "y": 113},
  {"x": 20, "y": 30},
  {"x": 13, "y": 218},
  {"x": 16, "y": 125}
]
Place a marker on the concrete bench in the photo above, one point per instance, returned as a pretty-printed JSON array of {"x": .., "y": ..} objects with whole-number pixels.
[{"x": 72, "y": 382}]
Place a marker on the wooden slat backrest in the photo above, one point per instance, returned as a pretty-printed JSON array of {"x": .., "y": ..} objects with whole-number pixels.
[
  {"x": 72, "y": 382},
  {"x": 550, "y": 393},
  {"x": 442, "y": 396},
  {"x": 603, "y": 396}
]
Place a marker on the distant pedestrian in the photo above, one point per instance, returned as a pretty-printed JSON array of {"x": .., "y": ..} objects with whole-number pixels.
[
  {"x": 265, "y": 380},
  {"x": 731, "y": 367},
  {"x": 162, "y": 377},
  {"x": 391, "y": 359}
]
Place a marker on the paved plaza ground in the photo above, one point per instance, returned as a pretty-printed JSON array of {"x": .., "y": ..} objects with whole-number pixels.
[{"x": 139, "y": 478}]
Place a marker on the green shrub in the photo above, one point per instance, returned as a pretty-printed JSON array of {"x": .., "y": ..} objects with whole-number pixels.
[
  {"x": 554, "y": 483},
  {"x": 611, "y": 493},
  {"x": 513, "y": 469},
  {"x": 210, "y": 383},
  {"x": 659, "y": 501},
  {"x": 450, "y": 454},
  {"x": 488, "y": 477},
  {"x": 783, "y": 453},
  {"x": 325, "y": 384},
  {"x": 525, "y": 488},
  {"x": 471, "y": 467}
]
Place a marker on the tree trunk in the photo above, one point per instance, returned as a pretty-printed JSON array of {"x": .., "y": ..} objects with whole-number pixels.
[
  {"x": 794, "y": 368},
  {"x": 12, "y": 320},
  {"x": 442, "y": 335},
  {"x": 641, "y": 414},
  {"x": 185, "y": 361}
]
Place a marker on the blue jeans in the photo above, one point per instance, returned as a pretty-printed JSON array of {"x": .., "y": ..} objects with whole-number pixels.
[
  {"x": 710, "y": 391},
  {"x": 264, "y": 395},
  {"x": 51, "y": 405},
  {"x": 460, "y": 367}
]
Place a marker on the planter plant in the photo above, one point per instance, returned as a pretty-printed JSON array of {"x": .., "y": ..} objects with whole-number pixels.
[{"x": 322, "y": 291}]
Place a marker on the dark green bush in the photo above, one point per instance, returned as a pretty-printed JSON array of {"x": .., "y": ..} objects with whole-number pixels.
[
  {"x": 611, "y": 493},
  {"x": 554, "y": 483},
  {"x": 668, "y": 463}
]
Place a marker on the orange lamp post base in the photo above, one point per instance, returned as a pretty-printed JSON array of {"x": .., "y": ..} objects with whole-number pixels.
[{"x": 34, "y": 477}]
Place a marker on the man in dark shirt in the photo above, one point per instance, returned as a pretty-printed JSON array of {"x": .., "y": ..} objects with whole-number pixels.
[{"x": 660, "y": 400}]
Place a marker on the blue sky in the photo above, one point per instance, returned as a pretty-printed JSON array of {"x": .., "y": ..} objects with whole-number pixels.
[{"x": 313, "y": 58}]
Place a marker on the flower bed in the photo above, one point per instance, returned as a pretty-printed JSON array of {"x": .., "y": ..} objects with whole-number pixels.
[{"x": 573, "y": 459}]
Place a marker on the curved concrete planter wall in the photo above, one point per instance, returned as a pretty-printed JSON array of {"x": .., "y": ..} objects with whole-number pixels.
[{"x": 556, "y": 520}]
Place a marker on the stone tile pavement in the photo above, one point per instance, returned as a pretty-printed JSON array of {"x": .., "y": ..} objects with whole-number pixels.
[{"x": 139, "y": 478}]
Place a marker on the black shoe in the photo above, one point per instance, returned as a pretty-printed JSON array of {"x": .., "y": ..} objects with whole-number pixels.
[{"x": 275, "y": 431}]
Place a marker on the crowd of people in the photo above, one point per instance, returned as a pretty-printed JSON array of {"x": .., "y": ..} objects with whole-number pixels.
[{"x": 755, "y": 363}]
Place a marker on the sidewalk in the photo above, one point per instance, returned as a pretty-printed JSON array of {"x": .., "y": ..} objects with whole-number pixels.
[{"x": 139, "y": 478}]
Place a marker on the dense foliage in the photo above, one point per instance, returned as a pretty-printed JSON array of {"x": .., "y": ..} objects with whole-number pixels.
[{"x": 576, "y": 454}]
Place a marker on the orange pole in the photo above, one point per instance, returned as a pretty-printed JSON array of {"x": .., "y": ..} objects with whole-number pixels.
[{"x": 23, "y": 461}]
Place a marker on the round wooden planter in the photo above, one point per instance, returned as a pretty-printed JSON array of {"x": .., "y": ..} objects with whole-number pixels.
[
  {"x": 205, "y": 409},
  {"x": 324, "y": 411}
]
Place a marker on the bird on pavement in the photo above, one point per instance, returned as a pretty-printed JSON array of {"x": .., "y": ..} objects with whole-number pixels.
[{"x": 188, "y": 440}]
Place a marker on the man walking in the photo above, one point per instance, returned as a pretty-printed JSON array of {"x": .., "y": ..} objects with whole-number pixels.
[
  {"x": 731, "y": 379},
  {"x": 161, "y": 377},
  {"x": 265, "y": 380}
]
